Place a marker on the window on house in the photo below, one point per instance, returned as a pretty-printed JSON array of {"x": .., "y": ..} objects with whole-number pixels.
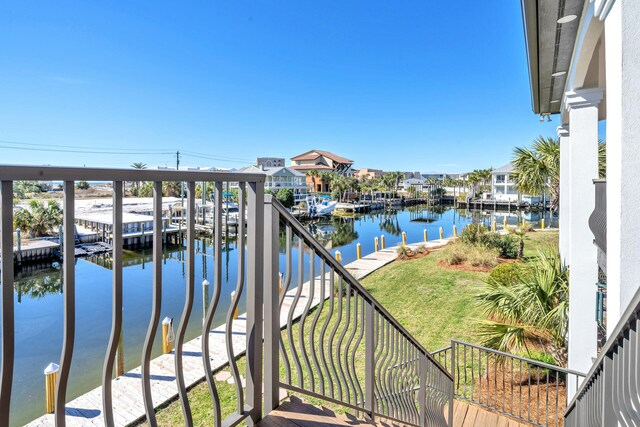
[{"x": 500, "y": 179}]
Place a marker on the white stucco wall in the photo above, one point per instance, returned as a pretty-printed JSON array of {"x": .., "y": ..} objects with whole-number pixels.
[{"x": 622, "y": 38}]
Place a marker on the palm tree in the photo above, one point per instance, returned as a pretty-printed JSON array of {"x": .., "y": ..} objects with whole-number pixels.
[
  {"x": 39, "y": 218},
  {"x": 537, "y": 168},
  {"x": 327, "y": 179},
  {"x": 139, "y": 166},
  {"x": 534, "y": 311},
  {"x": 313, "y": 174}
]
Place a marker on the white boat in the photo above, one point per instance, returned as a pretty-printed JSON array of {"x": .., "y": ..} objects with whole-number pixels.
[{"x": 320, "y": 206}]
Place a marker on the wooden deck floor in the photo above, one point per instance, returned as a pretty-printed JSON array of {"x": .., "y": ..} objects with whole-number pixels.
[{"x": 296, "y": 413}]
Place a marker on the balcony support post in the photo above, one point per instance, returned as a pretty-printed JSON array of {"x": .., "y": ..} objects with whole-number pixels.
[
  {"x": 271, "y": 306},
  {"x": 583, "y": 163},
  {"x": 565, "y": 203}
]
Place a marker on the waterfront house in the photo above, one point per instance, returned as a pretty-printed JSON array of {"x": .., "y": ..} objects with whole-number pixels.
[
  {"x": 504, "y": 189},
  {"x": 270, "y": 162},
  {"x": 279, "y": 177},
  {"x": 321, "y": 161},
  {"x": 368, "y": 173}
]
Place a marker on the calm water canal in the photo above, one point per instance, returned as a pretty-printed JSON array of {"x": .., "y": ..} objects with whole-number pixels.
[{"x": 39, "y": 301}]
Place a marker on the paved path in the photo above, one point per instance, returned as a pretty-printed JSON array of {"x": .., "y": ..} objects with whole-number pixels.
[{"x": 128, "y": 405}]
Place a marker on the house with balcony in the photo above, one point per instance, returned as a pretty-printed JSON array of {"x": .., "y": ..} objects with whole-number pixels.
[
  {"x": 504, "y": 189},
  {"x": 279, "y": 177},
  {"x": 321, "y": 161}
]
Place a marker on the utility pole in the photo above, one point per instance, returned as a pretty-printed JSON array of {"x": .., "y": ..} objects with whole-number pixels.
[{"x": 181, "y": 186}]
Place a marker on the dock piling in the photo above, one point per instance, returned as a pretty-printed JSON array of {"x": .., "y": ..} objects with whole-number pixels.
[
  {"x": 493, "y": 226},
  {"x": 404, "y": 237},
  {"x": 167, "y": 335},
  {"x": 339, "y": 256},
  {"x": 235, "y": 312},
  {"x": 359, "y": 251},
  {"x": 375, "y": 244},
  {"x": 542, "y": 223},
  {"x": 441, "y": 233},
  {"x": 50, "y": 381},
  {"x": 426, "y": 236},
  {"x": 382, "y": 241},
  {"x": 455, "y": 231}
]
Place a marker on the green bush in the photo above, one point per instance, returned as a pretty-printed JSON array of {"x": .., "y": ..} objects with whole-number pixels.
[
  {"x": 507, "y": 245},
  {"x": 506, "y": 274},
  {"x": 472, "y": 233},
  {"x": 483, "y": 257},
  {"x": 455, "y": 253},
  {"x": 82, "y": 185},
  {"x": 474, "y": 255},
  {"x": 285, "y": 196}
]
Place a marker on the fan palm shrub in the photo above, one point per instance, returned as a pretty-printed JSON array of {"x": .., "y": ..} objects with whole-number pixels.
[
  {"x": 530, "y": 314},
  {"x": 38, "y": 218}
]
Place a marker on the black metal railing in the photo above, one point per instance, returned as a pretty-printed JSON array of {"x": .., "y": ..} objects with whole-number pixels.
[
  {"x": 345, "y": 347},
  {"x": 609, "y": 395},
  {"x": 598, "y": 218},
  {"x": 522, "y": 388}
]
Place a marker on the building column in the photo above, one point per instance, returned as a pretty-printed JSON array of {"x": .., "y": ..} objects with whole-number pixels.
[
  {"x": 583, "y": 268},
  {"x": 565, "y": 204},
  {"x": 622, "y": 50}
]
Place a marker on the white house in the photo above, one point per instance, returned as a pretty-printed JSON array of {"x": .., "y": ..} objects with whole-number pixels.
[
  {"x": 282, "y": 177},
  {"x": 503, "y": 186},
  {"x": 584, "y": 65}
]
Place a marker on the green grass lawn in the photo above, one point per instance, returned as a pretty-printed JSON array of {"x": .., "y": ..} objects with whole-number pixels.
[{"x": 432, "y": 302}]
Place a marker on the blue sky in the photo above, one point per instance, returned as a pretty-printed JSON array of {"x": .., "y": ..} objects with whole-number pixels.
[{"x": 411, "y": 85}]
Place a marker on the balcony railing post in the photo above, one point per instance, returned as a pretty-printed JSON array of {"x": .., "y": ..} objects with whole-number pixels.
[
  {"x": 6, "y": 244},
  {"x": 422, "y": 392},
  {"x": 255, "y": 248},
  {"x": 453, "y": 381},
  {"x": 608, "y": 411},
  {"x": 369, "y": 363},
  {"x": 271, "y": 306}
]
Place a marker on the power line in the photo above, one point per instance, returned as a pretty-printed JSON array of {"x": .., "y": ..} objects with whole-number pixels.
[
  {"x": 80, "y": 147},
  {"x": 83, "y": 151},
  {"x": 217, "y": 158}
]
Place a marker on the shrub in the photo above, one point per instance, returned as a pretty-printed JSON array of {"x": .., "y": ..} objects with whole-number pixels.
[
  {"x": 472, "y": 233},
  {"x": 82, "y": 185},
  {"x": 506, "y": 245},
  {"x": 525, "y": 227},
  {"x": 455, "y": 253},
  {"x": 422, "y": 248},
  {"x": 404, "y": 251},
  {"x": 483, "y": 257},
  {"x": 285, "y": 196},
  {"x": 506, "y": 274}
]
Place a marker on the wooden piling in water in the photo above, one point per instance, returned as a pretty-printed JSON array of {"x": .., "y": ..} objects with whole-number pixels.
[{"x": 50, "y": 382}]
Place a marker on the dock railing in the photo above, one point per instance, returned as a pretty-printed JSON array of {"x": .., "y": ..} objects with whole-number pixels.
[{"x": 522, "y": 388}]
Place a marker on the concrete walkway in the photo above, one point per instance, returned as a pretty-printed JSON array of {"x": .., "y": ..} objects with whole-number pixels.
[{"x": 128, "y": 405}]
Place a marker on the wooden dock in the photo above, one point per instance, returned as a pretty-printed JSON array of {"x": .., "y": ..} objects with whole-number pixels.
[{"x": 127, "y": 389}]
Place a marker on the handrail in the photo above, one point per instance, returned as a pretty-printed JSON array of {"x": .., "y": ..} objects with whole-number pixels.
[
  {"x": 367, "y": 362},
  {"x": 520, "y": 387},
  {"x": 524, "y": 359},
  {"x": 607, "y": 376},
  {"x": 311, "y": 241},
  {"x": 48, "y": 173}
]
